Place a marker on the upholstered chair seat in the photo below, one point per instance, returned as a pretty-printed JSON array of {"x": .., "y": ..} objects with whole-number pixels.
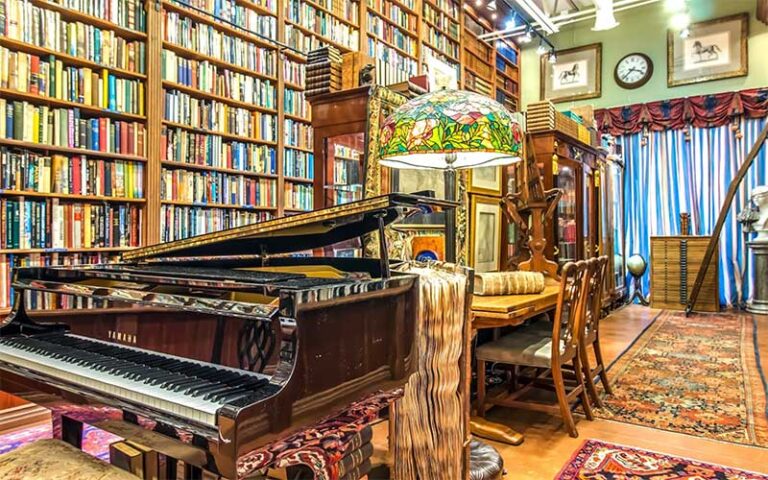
[{"x": 525, "y": 347}]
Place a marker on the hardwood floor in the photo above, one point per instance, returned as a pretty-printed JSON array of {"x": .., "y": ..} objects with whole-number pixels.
[{"x": 547, "y": 446}]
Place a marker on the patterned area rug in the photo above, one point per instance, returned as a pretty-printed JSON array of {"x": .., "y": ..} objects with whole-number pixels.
[
  {"x": 596, "y": 460},
  {"x": 95, "y": 441},
  {"x": 697, "y": 375}
]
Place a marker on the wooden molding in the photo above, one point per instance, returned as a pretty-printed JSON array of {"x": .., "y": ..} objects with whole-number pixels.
[{"x": 762, "y": 11}]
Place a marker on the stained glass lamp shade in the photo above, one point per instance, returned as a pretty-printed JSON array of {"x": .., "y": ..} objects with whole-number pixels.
[{"x": 450, "y": 129}]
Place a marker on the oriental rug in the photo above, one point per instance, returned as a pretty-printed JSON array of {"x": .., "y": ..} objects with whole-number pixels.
[
  {"x": 699, "y": 375},
  {"x": 597, "y": 460}
]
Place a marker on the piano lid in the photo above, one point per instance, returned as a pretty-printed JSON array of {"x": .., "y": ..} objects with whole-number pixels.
[{"x": 296, "y": 233}]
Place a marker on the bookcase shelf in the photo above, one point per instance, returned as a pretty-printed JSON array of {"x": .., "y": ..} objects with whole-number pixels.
[
  {"x": 301, "y": 149},
  {"x": 231, "y": 171},
  {"x": 298, "y": 118},
  {"x": 299, "y": 180},
  {"x": 256, "y": 8},
  {"x": 222, "y": 206},
  {"x": 393, "y": 46},
  {"x": 332, "y": 13},
  {"x": 77, "y": 16},
  {"x": 440, "y": 9},
  {"x": 323, "y": 39},
  {"x": 27, "y": 251},
  {"x": 77, "y": 151},
  {"x": 230, "y": 136},
  {"x": 210, "y": 96},
  {"x": 412, "y": 11},
  {"x": 70, "y": 196},
  {"x": 388, "y": 20},
  {"x": 67, "y": 59},
  {"x": 55, "y": 102},
  {"x": 220, "y": 25},
  {"x": 188, "y": 53}
]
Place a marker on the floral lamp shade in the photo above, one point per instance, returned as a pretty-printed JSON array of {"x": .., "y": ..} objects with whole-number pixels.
[{"x": 450, "y": 129}]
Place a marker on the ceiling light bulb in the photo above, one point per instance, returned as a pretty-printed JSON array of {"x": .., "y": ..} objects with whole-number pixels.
[
  {"x": 552, "y": 58},
  {"x": 494, "y": 16},
  {"x": 604, "y": 19},
  {"x": 527, "y": 37},
  {"x": 681, "y": 21},
  {"x": 478, "y": 3},
  {"x": 541, "y": 49},
  {"x": 510, "y": 24},
  {"x": 674, "y": 5}
]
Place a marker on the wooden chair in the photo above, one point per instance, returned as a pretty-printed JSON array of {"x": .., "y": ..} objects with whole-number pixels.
[
  {"x": 549, "y": 352},
  {"x": 592, "y": 314}
]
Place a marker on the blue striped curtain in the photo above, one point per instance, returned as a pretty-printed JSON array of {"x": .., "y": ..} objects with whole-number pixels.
[{"x": 668, "y": 174}]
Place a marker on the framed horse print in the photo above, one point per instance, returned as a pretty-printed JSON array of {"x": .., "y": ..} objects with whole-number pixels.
[
  {"x": 711, "y": 50},
  {"x": 575, "y": 75}
]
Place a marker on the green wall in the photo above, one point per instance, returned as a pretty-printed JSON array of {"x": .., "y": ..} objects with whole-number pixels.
[{"x": 644, "y": 29}]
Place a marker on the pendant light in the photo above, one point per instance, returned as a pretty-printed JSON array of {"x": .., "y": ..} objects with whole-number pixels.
[{"x": 604, "y": 19}]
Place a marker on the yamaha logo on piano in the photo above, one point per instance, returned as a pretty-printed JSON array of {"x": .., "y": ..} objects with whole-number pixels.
[{"x": 122, "y": 337}]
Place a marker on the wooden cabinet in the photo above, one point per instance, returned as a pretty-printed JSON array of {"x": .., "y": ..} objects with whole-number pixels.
[
  {"x": 570, "y": 165},
  {"x": 675, "y": 263}
]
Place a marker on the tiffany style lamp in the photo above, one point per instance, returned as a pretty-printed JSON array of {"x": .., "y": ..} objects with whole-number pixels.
[{"x": 449, "y": 130}]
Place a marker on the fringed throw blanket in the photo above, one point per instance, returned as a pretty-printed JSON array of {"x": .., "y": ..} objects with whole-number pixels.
[{"x": 428, "y": 426}]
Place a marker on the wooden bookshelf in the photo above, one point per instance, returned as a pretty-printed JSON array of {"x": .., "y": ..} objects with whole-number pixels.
[{"x": 411, "y": 20}]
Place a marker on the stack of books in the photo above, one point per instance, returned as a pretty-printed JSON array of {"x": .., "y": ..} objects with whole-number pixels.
[{"x": 323, "y": 71}]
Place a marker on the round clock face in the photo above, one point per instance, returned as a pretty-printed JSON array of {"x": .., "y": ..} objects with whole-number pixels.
[{"x": 633, "y": 70}]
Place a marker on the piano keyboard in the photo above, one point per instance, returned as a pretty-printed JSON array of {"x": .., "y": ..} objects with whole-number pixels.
[{"x": 189, "y": 389}]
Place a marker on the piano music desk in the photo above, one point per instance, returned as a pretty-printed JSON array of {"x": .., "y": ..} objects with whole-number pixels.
[{"x": 496, "y": 311}]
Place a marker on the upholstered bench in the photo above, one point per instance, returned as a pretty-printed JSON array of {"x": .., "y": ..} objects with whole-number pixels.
[{"x": 56, "y": 460}]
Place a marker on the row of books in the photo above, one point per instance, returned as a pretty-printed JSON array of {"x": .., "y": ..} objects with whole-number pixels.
[
  {"x": 49, "y": 77},
  {"x": 294, "y": 103},
  {"x": 347, "y": 193},
  {"x": 298, "y": 196},
  {"x": 23, "y": 170},
  {"x": 294, "y": 72},
  {"x": 125, "y": 13},
  {"x": 219, "y": 188},
  {"x": 346, "y": 172},
  {"x": 177, "y": 222},
  {"x": 393, "y": 35},
  {"x": 348, "y": 10},
  {"x": 45, "y": 28},
  {"x": 448, "y": 6},
  {"x": 210, "y": 78},
  {"x": 64, "y": 127},
  {"x": 236, "y": 13},
  {"x": 442, "y": 42},
  {"x": 180, "y": 107},
  {"x": 394, "y": 12},
  {"x": 268, "y": 5},
  {"x": 391, "y": 66},
  {"x": 322, "y": 23},
  {"x": 478, "y": 84},
  {"x": 298, "y": 164},
  {"x": 441, "y": 20},
  {"x": 297, "y": 134},
  {"x": 41, "y": 300},
  {"x": 298, "y": 40},
  {"x": 51, "y": 223},
  {"x": 207, "y": 40},
  {"x": 185, "y": 147}
]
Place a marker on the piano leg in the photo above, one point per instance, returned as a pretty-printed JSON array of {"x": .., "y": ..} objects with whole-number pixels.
[{"x": 72, "y": 431}]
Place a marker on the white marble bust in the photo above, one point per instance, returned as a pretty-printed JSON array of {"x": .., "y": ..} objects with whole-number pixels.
[{"x": 759, "y": 197}]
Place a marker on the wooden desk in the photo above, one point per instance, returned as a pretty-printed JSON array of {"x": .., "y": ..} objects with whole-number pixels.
[{"x": 495, "y": 311}]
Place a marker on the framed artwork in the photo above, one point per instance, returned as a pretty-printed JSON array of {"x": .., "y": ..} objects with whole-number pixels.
[
  {"x": 713, "y": 50},
  {"x": 486, "y": 180},
  {"x": 485, "y": 233},
  {"x": 576, "y": 75}
]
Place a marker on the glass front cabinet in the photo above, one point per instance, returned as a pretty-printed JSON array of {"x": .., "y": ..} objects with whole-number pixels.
[{"x": 611, "y": 191}]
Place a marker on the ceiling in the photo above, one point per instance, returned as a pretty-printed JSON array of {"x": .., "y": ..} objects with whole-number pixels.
[{"x": 556, "y": 7}]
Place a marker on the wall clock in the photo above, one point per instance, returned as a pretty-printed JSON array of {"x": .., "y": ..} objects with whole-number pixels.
[{"x": 633, "y": 71}]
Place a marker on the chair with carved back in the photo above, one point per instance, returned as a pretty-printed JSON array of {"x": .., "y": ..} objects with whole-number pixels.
[
  {"x": 591, "y": 336},
  {"x": 550, "y": 354}
]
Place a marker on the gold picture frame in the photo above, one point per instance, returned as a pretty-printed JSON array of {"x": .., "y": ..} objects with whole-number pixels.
[
  {"x": 576, "y": 75},
  {"x": 485, "y": 233},
  {"x": 713, "y": 50},
  {"x": 485, "y": 180}
]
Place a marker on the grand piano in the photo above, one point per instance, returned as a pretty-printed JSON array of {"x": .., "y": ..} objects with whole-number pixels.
[{"x": 230, "y": 337}]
